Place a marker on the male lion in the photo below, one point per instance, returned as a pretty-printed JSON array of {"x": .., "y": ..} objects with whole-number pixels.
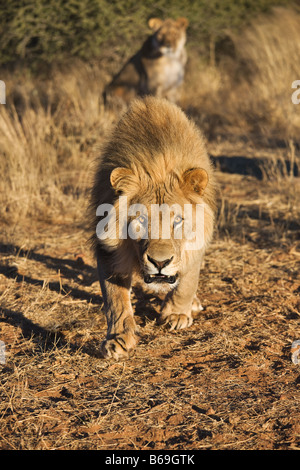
[
  {"x": 155, "y": 158},
  {"x": 157, "y": 68}
]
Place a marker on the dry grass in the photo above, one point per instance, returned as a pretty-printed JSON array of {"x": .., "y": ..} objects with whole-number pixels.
[
  {"x": 269, "y": 48},
  {"x": 49, "y": 130},
  {"x": 251, "y": 90},
  {"x": 225, "y": 383}
]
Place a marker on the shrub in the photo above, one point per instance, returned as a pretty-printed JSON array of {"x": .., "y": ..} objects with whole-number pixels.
[{"x": 50, "y": 30}]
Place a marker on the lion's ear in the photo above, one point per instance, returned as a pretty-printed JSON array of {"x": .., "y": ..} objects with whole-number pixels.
[
  {"x": 120, "y": 178},
  {"x": 155, "y": 23},
  {"x": 182, "y": 22},
  {"x": 196, "y": 180}
]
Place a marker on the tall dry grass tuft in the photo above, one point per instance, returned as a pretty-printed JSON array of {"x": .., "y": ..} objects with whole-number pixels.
[
  {"x": 250, "y": 91},
  {"x": 270, "y": 50},
  {"x": 49, "y": 129},
  {"x": 28, "y": 162}
]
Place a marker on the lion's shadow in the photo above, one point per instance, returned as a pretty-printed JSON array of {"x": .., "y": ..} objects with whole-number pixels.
[
  {"x": 70, "y": 269},
  {"x": 146, "y": 305}
]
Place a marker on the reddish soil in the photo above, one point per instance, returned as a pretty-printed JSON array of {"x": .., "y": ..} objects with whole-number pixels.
[{"x": 227, "y": 382}]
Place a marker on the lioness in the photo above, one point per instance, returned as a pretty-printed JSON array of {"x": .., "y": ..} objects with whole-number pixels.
[
  {"x": 157, "y": 68},
  {"x": 156, "y": 158}
]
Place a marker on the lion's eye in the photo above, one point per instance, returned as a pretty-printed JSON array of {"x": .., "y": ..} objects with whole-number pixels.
[
  {"x": 142, "y": 219},
  {"x": 177, "y": 220}
]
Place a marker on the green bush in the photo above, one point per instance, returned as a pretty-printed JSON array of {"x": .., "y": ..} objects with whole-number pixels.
[{"x": 52, "y": 30}]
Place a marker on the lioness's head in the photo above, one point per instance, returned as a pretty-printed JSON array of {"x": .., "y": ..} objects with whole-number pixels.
[
  {"x": 162, "y": 223},
  {"x": 169, "y": 35}
]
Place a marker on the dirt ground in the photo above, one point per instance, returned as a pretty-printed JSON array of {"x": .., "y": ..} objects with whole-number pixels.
[{"x": 227, "y": 382}]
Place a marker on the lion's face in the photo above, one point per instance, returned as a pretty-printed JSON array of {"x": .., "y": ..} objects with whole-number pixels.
[
  {"x": 161, "y": 222},
  {"x": 169, "y": 36},
  {"x": 159, "y": 244}
]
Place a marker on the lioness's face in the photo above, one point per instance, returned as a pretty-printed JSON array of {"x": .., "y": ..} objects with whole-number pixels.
[{"x": 169, "y": 36}]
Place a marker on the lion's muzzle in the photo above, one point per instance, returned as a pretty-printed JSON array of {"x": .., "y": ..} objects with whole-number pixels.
[{"x": 159, "y": 276}]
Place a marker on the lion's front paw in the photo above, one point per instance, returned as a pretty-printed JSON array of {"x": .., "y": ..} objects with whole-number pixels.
[
  {"x": 178, "y": 321},
  {"x": 119, "y": 346}
]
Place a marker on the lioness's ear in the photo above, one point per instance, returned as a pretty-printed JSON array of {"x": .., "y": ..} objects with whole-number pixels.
[
  {"x": 120, "y": 178},
  {"x": 196, "y": 179},
  {"x": 155, "y": 23},
  {"x": 182, "y": 22}
]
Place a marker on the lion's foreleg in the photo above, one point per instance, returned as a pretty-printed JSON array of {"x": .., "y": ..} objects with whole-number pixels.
[
  {"x": 121, "y": 326},
  {"x": 179, "y": 305}
]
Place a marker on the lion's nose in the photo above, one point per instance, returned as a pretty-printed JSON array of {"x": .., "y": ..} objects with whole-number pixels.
[{"x": 160, "y": 264}]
